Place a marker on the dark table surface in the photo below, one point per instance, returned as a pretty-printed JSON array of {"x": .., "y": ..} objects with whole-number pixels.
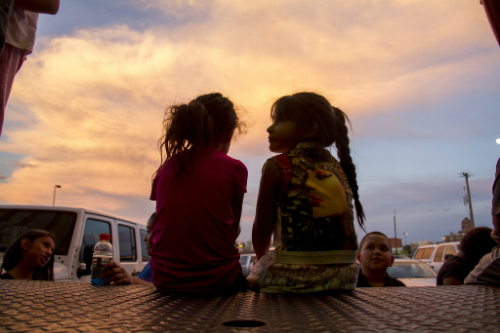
[{"x": 30, "y": 306}]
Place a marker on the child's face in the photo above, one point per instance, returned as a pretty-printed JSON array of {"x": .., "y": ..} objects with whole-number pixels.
[
  {"x": 283, "y": 135},
  {"x": 375, "y": 255},
  {"x": 38, "y": 253}
]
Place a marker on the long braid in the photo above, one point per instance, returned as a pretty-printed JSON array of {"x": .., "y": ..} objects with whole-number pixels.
[{"x": 344, "y": 153}]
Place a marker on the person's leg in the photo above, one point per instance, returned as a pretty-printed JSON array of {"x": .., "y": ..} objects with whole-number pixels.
[
  {"x": 11, "y": 61},
  {"x": 240, "y": 284}
]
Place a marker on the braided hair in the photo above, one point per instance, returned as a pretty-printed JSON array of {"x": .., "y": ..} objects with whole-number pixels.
[{"x": 309, "y": 110}]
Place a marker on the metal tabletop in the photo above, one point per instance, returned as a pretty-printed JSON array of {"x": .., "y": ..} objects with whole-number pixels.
[{"x": 31, "y": 306}]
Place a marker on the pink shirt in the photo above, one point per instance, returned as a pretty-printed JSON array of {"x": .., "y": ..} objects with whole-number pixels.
[{"x": 193, "y": 239}]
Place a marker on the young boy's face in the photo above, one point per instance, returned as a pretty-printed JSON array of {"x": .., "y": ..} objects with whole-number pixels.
[{"x": 375, "y": 255}]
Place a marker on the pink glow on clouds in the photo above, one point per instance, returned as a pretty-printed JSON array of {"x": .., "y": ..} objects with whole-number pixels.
[{"x": 92, "y": 102}]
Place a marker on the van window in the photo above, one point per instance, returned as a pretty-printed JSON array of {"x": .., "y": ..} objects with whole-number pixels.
[
  {"x": 15, "y": 222},
  {"x": 419, "y": 254},
  {"x": 428, "y": 253},
  {"x": 126, "y": 238},
  {"x": 145, "y": 255},
  {"x": 450, "y": 249},
  {"x": 424, "y": 253},
  {"x": 439, "y": 253},
  {"x": 91, "y": 235}
]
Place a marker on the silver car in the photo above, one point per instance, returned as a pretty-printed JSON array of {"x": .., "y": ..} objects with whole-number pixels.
[{"x": 413, "y": 273}]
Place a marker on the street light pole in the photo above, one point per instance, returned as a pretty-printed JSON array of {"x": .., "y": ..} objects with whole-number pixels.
[
  {"x": 406, "y": 234},
  {"x": 395, "y": 239},
  {"x": 54, "y": 198}
]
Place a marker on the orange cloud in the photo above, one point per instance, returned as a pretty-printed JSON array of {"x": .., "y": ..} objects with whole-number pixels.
[{"x": 92, "y": 102}]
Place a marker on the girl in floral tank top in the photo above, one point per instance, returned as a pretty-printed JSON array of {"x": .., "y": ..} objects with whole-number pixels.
[{"x": 305, "y": 199}]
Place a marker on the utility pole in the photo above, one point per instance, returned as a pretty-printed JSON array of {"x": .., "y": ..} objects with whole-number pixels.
[
  {"x": 395, "y": 238},
  {"x": 466, "y": 175}
]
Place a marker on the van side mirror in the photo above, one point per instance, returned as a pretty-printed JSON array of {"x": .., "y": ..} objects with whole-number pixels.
[{"x": 88, "y": 251}]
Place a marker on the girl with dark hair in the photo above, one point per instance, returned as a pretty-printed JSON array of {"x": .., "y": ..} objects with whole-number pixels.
[
  {"x": 30, "y": 257},
  {"x": 305, "y": 197},
  {"x": 473, "y": 246},
  {"x": 199, "y": 195}
]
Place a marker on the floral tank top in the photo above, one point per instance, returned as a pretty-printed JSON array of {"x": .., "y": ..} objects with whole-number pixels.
[{"x": 315, "y": 211}]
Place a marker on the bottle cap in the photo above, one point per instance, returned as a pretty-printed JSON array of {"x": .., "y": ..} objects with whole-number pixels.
[{"x": 104, "y": 237}]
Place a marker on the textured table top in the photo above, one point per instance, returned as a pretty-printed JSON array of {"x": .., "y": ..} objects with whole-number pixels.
[{"x": 30, "y": 306}]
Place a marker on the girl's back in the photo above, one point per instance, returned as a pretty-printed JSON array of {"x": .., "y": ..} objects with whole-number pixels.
[
  {"x": 193, "y": 235},
  {"x": 315, "y": 207},
  {"x": 199, "y": 194}
]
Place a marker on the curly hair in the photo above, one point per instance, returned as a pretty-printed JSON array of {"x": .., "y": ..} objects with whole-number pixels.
[
  {"x": 476, "y": 243},
  {"x": 309, "y": 110},
  {"x": 203, "y": 123},
  {"x": 14, "y": 254}
]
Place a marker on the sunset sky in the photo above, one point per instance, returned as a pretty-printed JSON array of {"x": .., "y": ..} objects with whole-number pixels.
[{"x": 419, "y": 79}]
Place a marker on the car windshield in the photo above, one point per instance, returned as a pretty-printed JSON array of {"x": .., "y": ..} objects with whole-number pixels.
[
  {"x": 15, "y": 222},
  {"x": 408, "y": 270}
]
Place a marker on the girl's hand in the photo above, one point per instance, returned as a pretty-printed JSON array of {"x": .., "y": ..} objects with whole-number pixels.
[{"x": 116, "y": 274}]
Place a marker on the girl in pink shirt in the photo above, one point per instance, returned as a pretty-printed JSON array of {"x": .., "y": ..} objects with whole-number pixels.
[{"x": 199, "y": 195}]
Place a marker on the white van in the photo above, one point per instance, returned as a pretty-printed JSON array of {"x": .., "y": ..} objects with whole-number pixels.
[
  {"x": 77, "y": 231},
  {"x": 435, "y": 255}
]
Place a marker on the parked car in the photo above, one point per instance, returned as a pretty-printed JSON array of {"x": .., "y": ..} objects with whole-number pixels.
[
  {"x": 246, "y": 262},
  {"x": 412, "y": 273},
  {"x": 77, "y": 231},
  {"x": 435, "y": 255},
  {"x": 400, "y": 256}
]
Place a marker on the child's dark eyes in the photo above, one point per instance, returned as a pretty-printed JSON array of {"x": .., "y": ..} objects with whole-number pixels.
[
  {"x": 321, "y": 176},
  {"x": 279, "y": 119}
]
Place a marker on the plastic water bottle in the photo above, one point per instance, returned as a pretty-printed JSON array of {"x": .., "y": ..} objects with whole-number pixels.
[{"x": 103, "y": 255}]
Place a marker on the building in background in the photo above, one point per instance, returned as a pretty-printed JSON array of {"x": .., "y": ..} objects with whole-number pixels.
[
  {"x": 467, "y": 225},
  {"x": 397, "y": 245},
  {"x": 453, "y": 237}
]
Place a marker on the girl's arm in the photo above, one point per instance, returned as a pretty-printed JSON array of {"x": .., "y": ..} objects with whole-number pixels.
[
  {"x": 39, "y": 6},
  {"x": 451, "y": 280},
  {"x": 265, "y": 217},
  {"x": 237, "y": 204}
]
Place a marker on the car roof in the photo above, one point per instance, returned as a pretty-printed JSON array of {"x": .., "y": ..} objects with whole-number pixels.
[
  {"x": 72, "y": 209},
  {"x": 407, "y": 260}
]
